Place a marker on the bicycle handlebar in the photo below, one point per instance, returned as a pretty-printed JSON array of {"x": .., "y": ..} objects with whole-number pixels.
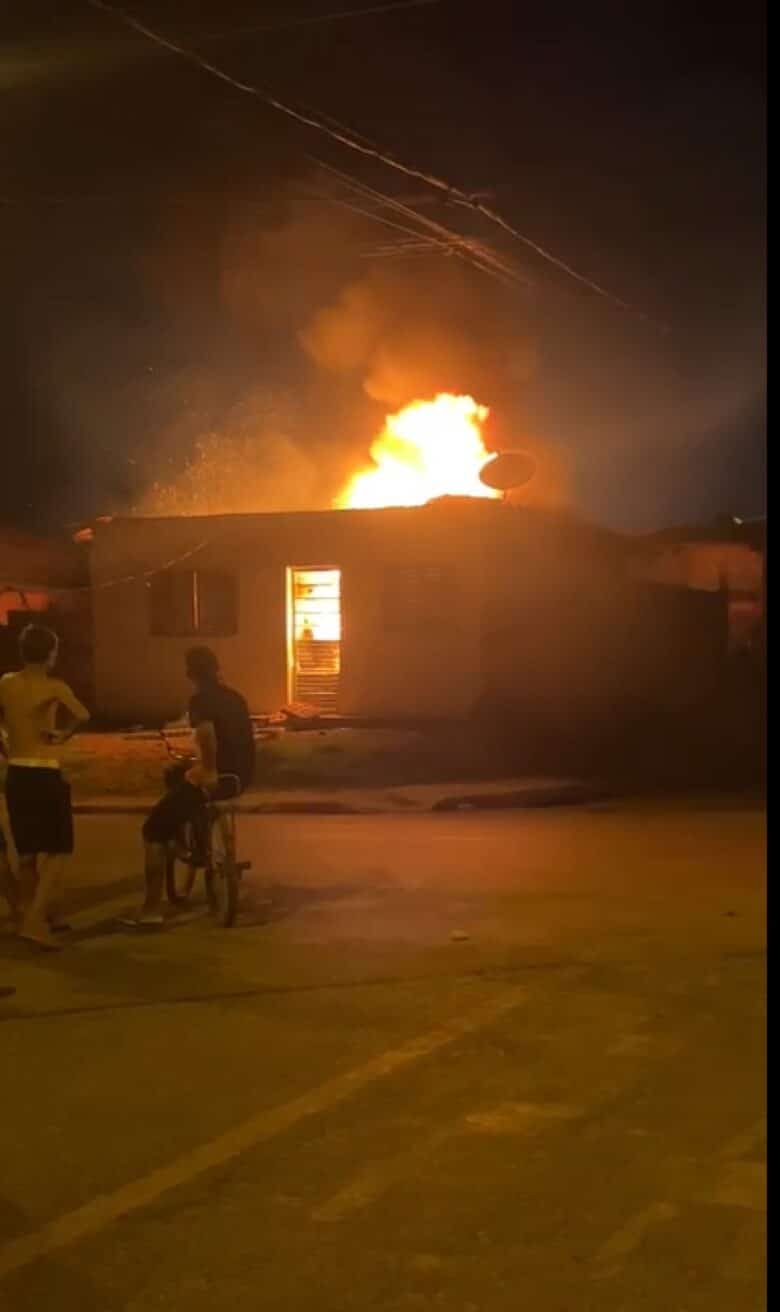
[{"x": 181, "y": 757}]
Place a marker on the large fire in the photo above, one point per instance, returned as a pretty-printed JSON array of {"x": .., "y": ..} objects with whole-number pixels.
[{"x": 429, "y": 449}]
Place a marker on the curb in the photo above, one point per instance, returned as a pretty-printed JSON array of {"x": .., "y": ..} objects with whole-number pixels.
[
  {"x": 512, "y": 800},
  {"x": 257, "y": 808},
  {"x": 523, "y": 799}
]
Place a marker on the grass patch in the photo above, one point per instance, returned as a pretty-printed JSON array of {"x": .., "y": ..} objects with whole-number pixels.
[{"x": 112, "y": 764}]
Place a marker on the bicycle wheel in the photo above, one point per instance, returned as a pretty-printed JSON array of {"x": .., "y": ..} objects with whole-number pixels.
[
  {"x": 181, "y": 868},
  {"x": 222, "y": 876}
]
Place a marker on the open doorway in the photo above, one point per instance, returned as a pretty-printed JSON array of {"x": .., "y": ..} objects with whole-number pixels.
[{"x": 314, "y": 635}]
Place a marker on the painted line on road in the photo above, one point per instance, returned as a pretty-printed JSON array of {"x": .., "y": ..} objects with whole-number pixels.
[
  {"x": 745, "y": 1142},
  {"x": 742, "y": 1184},
  {"x": 738, "y": 1184},
  {"x": 610, "y": 1257},
  {"x": 102, "y": 1211},
  {"x": 374, "y": 1180}
]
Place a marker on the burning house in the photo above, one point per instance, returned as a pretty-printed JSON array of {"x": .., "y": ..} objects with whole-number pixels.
[
  {"x": 425, "y": 611},
  {"x": 426, "y": 594}
]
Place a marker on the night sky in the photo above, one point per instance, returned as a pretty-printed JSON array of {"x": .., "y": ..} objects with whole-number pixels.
[{"x": 164, "y": 254}]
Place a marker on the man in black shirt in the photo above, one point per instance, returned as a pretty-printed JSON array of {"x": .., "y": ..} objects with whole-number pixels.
[{"x": 220, "y": 720}]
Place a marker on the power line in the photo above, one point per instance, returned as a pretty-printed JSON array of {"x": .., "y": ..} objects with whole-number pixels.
[
  {"x": 374, "y": 217},
  {"x": 445, "y": 241},
  {"x": 177, "y": 198},
  {"x": 141, "y": 576},
  {"x": 346, "y": 137},
  {"x": 456, "y": 245},
  {"x": 311, "y": 20},
  {"x": 476, "y": 252},
  {"x": 422, "y": 245},
  {"x": 401, "y": 250}
]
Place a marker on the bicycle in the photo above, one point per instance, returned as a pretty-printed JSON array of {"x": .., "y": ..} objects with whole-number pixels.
[{"x": 208, "y": 843}]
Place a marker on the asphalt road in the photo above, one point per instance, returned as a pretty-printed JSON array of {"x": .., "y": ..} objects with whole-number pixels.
[{"x": 473, "y": 1063}]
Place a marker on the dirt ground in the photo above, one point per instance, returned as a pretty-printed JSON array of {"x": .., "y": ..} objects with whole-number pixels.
[{"x": 102, "y": 764}]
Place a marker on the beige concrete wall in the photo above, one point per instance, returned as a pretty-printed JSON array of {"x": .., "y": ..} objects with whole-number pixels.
[
  {"x": 543, "y": 611},
  {"x": 430, "y": 669},
  {"x": 706, "y": 567}
]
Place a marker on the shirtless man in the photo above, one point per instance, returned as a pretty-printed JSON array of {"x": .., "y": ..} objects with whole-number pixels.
[{"x": 37, "y": 795}]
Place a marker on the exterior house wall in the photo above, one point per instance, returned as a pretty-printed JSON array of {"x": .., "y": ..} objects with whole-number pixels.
[
  {"x": 734, "y": 569},
  {"x": 395, "y": 661},
  {"x": 385, "y": 669},
  {"x": 707, "y": 567},
  {"x": 533, "y": 609}
]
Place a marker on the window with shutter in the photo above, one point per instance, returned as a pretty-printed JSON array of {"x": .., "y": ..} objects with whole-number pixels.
[
  {"x": 418, "y": 593},
  {"x": 217, "y": 603},
  {"x": 193, "y": 603}
]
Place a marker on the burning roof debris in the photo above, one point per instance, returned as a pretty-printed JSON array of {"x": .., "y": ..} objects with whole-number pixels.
[{"x": 428, "y": 449}]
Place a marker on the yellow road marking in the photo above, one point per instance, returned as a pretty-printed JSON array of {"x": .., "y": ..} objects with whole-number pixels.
[
  {"x": 521, "y": 1117},
  {"x": 627, "y": 1239},
  {"x": 744, "y": 1143},
  {"x": 743, "y": 1184},
  {"x": 375, "y": 1179},
  {"x": 102, "y": 1211}
]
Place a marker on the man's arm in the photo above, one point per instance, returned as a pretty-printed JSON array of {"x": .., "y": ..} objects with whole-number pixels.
[
  {"x": 3, "y": 739},
  {"x": 76, "y": 711},
  {"x": 204, "y": 773}
]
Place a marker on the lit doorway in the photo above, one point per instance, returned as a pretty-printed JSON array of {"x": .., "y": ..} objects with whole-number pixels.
[{"x": 314, "y": 636}]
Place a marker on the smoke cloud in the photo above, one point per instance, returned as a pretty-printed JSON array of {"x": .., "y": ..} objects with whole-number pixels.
[
  {"x": 335, "y": 352},
  {"x": 251, "y": 463},
  {"x": 273, "y": 347},
  {"x": 407, "y": 334}
]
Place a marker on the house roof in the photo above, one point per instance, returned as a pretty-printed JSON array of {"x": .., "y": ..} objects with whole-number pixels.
[
  {"x": 475, "y": 507},
  {"x": 31, "y": 561},
  {"x": 722, "y": 530}
]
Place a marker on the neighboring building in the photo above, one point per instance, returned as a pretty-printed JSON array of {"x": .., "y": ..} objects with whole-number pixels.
[
  {"x": 46, "y": 579},
  {"x": 726, "y": 556},
  {"x": 424, "y": 612}
]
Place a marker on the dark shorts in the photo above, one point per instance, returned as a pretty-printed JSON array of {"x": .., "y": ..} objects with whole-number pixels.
[
  {"x": 39, "y": 811},
  {"x": 182, "y": 802}
]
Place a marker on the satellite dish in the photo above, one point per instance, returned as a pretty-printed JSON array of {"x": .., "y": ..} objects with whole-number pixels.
[{"x": 508, "y": 470}]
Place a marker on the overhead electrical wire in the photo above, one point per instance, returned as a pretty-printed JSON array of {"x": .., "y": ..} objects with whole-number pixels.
[
  {"x": 468, "y": 248},
  {"x": 140, "y": 575},
  {"x": 346, "y": 137},
  {"x": 422, "y": 245},
  {"x": 311, "y": 20},
  {"x": 430, "y": 242}
]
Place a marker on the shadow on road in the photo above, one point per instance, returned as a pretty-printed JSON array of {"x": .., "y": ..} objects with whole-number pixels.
[
  {"x": 47, "y": 1282},
  {"x": 281, "y": 901}
]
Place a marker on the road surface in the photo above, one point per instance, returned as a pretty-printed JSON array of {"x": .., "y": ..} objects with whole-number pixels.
[{"x": 474, "y": 1063}]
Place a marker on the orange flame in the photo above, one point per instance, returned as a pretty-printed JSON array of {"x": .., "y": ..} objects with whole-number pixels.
[{"x": 429, "y": 449}]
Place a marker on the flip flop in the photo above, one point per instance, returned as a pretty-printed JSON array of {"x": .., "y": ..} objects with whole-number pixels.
[
  {"x": 41, "y": 941},
  {"x": 142, "y": 922}
]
